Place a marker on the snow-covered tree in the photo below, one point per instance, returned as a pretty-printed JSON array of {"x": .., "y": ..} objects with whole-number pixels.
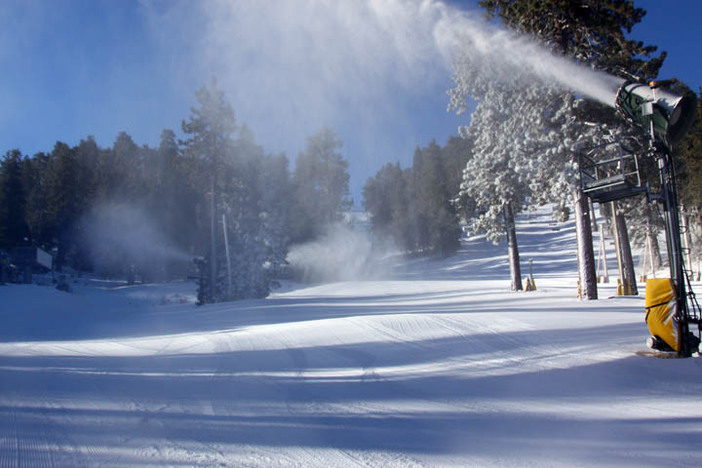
[{"x": 506, "y": 118}]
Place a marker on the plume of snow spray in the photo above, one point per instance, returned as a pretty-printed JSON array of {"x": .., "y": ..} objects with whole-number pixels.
[
  {"x": 504, "y": 56},
  {"x": 341, "y": 254},
  {"x": 291, "y": 67},
  {"x": 121, "y": 234},
  {"x": 306, "y": 58}
]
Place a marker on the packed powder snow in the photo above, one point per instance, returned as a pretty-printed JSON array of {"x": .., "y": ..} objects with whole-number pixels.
[{"x": 437, "y": 365}]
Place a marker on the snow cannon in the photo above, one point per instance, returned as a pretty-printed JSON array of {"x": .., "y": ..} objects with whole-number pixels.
[
  {"x": 661, "y": 315},
  {"x": 664, "y": 114},
  {"x": 610, "y": 171},
  {"x": 668, "y": 331}
]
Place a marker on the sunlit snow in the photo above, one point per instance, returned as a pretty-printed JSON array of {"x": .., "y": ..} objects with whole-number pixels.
[{"x": 437, "y": 365}]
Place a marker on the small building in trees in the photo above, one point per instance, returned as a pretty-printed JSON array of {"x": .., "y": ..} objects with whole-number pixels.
[{"x": 27, "y": 260}]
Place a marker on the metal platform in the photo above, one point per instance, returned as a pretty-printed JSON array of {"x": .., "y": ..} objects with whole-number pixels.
[{"x": 613, "y": 178}]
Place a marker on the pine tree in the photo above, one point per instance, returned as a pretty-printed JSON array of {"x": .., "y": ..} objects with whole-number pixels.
[
  {"x": 455, "y": 155},
  {"x": 689, "y": 155},
  {"x": 244, "y": 221},
  {"x": 493, "y": 178},
  {"x": 320, "y": 186},
  {"x": 210, "y": 129},
  {"x": 437, "y": 222},
  {"x": 275, "y": 208},
  {"x": 67, "y": 202},
  {"x": 170, "y": 201},
  {"x": 415, "y": 207},
  {"x": 36, "y": 171},
  {"x": 13, "y": 227},
  {"x": 127, "y": 170},
  {"x": 384, "y": 198},
  {"x": 229, "y": 170}
]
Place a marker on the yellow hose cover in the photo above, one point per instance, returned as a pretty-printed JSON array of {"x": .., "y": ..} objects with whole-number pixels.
[{"x": 661, "y": 308}]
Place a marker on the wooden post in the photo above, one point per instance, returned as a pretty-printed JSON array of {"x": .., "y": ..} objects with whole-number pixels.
[{"x": 229, "y": 259}]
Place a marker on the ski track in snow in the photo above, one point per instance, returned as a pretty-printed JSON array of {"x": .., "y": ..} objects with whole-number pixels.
[{"x": 439, "y": 366}]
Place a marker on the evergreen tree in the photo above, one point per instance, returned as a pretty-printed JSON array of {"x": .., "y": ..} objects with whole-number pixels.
[
  {"x": 320, "y": 186},
  {"x": 210, "y": 131},
  {"x": 36, "y": 172},
  {"x": 243, "y": 207},
  {"x": 66, "y": 205},
  {"x": 276, "y": 203},
  {"x": 689, "y": 155},
  {"x": 384, "y": 198},
  {"x": 128, "y": 170},
  {"x": 455, "y": 155},
  {"x": 170, "y": 202},
  {"x": 88, "y": 159},
  {"x": 436, "y": 220},
  {"x": 415, "y": 207},
  {"x": 492, "y": 178},
  {"x": 229, "y": 172},
  {"x": 13, "y": 227}
]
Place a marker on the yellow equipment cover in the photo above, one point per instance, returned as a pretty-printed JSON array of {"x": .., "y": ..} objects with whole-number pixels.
[{"x": 661, "y": 309}]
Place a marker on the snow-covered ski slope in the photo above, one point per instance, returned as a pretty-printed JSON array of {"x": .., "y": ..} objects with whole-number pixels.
[{"x": 439, "y": 366}]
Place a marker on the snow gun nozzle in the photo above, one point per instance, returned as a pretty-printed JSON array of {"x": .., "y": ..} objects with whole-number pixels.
[{"x": 665, "y": 115}]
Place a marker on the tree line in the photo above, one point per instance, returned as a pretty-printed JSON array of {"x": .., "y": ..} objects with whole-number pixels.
[{"x": 216, "y": 195}]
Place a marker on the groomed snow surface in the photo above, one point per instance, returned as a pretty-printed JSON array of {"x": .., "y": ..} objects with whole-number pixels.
[{"x": 440, "y": 365}]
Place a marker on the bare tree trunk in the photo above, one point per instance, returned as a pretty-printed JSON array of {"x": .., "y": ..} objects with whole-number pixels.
[
  {"x": 586, "y": 255},
  {"x": 686, "y": 239},
  {"x": 229, "y": 258},
  {"x": 628, "y": 273},
  {"x": 593, "y": 218},
  {"x": 213, "y": 241},
  {"x": 653, "y": 247},
  {"x": 602, "y": 255},
  {"x": 513, "y": 249}
]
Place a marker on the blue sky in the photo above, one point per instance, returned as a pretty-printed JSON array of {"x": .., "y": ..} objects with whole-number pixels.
[{"x": 73, "y": 68}]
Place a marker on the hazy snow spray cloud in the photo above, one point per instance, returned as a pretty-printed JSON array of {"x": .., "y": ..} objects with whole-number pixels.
[
  {"x": 301, "y": 63},
  {"x": 291, "y": 67},
  {"x": 341, "y": 254},
  {"x": 122, "y": 234},
  {"x": 504, "y": 56}
]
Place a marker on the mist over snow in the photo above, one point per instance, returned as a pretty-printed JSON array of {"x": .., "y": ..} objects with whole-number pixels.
[
  {"x": 340, "y": 254},
  {"x": 122, "y": 234}
]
